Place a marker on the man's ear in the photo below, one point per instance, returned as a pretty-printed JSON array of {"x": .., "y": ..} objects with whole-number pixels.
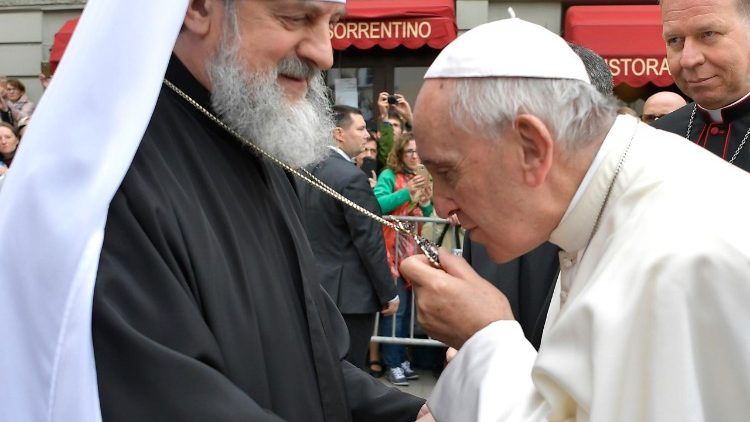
[
  {"x": 200, "y": 16},
  {"x": 537, "y": 148},
  {"x": 338, "y": 134}
]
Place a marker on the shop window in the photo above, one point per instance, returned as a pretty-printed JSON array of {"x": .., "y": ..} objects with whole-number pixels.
[
  {"x": 407, "y": 81},
  {"x": 353, "y": 86}
]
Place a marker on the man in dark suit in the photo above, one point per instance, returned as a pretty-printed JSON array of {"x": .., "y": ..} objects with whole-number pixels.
[{"x": 348, "y": 245}]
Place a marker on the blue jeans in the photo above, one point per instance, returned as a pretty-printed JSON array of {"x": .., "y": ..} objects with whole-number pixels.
[{"x": 393, "y": 354}]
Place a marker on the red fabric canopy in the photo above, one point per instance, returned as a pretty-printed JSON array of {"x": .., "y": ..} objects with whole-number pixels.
[
  {"x": 627, "y": 37},
  {"x": 390, "y": 23},
  {"x": 387, "y": 23},
  {"x": 62, "y": 38}
]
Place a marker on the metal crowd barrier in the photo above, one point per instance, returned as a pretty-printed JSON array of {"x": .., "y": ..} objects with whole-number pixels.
[{"x": 431, "y": 232}]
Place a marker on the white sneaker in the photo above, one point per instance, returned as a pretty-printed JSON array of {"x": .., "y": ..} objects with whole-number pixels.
[
  {"x": 396, "y": 376},
  {"x": 408, "y": 372}
]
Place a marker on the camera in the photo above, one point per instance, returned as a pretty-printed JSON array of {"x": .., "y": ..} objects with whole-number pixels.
[{"x": 392, "y": 99}]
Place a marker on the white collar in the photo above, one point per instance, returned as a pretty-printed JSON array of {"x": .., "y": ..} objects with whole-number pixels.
[
  {"x": 716, "y": 115},
  {"x": 341, "y": 153},
  {"x": 577, "y": 224},
  {"x": 603, "y": 150}
]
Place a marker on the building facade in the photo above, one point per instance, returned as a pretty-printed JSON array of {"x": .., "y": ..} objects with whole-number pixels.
[
  {"x": 27, "y": 29},
  {"x": 388, "y": 47}
]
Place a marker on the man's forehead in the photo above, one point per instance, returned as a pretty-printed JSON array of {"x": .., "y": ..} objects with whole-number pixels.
[{"x": 359, "y": 120}]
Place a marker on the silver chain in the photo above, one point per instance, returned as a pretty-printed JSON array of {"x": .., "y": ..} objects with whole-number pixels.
[
  {"x": 620, "y": 163},
  {"x": 739, "y": 148},
  {"x": 612, "y": 183},
  {"x": 429, "y": 249}
]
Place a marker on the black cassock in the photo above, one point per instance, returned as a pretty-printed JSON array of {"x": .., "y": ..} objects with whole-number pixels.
[
  {"x": 721, "y": 138},
  {"x": 207, "y": 305}
]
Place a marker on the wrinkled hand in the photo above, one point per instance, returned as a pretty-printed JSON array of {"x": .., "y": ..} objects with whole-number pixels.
[
  {"x": 391, "y": 307},
  {"x": 453, "y": 303},
  {"x": 383, "y": 106},
  {"x": 373, "y": 180},
  {"x": 424, "y": 414},
  {"x": 450, "y": 354},
  {"x": 403, "y": 108},
  {"x": 453, "y": 220},
  {"x": 415, "y": 185}
]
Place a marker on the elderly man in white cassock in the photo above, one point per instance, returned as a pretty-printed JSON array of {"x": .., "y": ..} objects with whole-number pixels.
[
  {"x": 155, "y": 267},
  {"x": 651, "y": 317}
]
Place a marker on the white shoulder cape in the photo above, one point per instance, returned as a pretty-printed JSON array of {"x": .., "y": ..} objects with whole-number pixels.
[{"x": 54, "y": 202}]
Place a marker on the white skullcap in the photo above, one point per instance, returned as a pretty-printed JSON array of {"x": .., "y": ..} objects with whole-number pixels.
[{"x": 507, "y": 48}]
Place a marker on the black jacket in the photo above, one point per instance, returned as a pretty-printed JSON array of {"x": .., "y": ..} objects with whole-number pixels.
[{"x": 348, "y": 245}]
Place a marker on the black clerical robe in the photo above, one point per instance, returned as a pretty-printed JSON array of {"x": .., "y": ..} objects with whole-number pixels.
[
  {"x": 207, "y": 305},
  {"x": 722, "y": 138}
]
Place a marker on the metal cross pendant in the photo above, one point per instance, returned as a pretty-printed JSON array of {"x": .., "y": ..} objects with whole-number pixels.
[{"x": 429, "y": 249}]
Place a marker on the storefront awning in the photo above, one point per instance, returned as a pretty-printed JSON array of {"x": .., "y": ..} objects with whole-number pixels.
[
  {"x": 390, "y": 23},
  {"x": 61, "y": 40},
  {"x": 627, "y": 37}
]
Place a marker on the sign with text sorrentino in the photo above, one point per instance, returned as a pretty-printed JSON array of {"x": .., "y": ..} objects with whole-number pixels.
[
  {"x": 392, "y": 23},
  {"x": 382, "y": 30},
  {"x": 412, "y": 33}
]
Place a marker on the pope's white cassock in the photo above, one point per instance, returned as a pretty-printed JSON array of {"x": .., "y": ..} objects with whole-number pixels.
[{"x": 653, "y": 321}]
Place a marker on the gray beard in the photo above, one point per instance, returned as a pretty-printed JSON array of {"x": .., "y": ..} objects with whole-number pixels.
[{"x": 254, "y": 105}]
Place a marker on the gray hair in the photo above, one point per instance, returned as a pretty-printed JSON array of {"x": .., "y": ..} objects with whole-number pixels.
[
  {"x": 743, "y": 7},
  {"x": 231, "y": 21},
  {"x": 574, "y": 111},
  {"x": 596, "y": 67},
  {"x": 253, "y": 103}
]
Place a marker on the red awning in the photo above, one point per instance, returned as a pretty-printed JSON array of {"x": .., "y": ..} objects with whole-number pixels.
[
  {"x": 62, "y": 38},
  {"x": 627, "y": 37},
  {"x": 390, "y": 23}
]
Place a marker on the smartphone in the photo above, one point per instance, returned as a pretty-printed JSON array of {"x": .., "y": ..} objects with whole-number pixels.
[
  {"x": 421, "y": 170},
  {"x": 369, "y": 165},
  {"x": 46, "y": 70}
]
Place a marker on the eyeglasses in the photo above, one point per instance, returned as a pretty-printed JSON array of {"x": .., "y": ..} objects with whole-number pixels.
[
  {"x": 411, "y": 152},
  {"x": 650, "y": 118}
]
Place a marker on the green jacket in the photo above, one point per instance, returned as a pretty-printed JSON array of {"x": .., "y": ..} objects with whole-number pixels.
[{"x": 390, "y": 200}]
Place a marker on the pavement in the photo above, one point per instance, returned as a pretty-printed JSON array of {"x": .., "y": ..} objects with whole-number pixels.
[{"x": 421, "y": 387}]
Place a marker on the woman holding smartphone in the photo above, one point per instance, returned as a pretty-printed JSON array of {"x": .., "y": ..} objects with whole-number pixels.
[{"x": 401, "y": 192}]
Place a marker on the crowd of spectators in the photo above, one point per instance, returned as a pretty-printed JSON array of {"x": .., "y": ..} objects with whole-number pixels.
[{"x": 15, "y": 112}]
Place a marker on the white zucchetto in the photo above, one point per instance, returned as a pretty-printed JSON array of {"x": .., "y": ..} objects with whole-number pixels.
[{"x": 508, "y": 48}]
